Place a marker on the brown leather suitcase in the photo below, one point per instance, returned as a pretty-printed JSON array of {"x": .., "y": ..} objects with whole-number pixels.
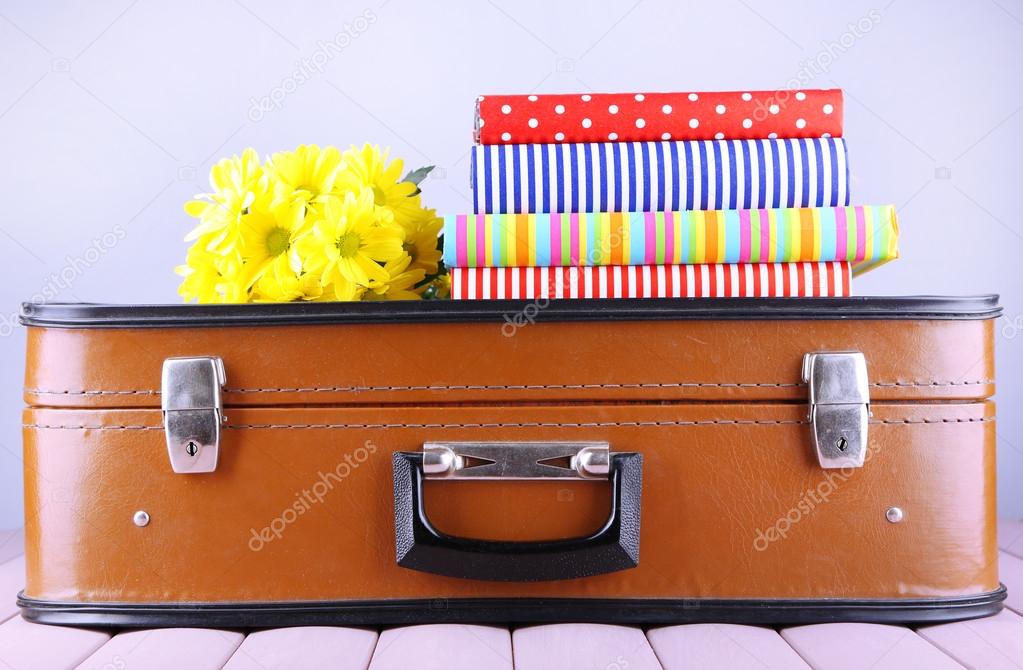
[{"x": 759, "y": 461}]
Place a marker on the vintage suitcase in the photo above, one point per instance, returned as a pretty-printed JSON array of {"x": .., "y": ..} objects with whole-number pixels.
[{"x": 760, "y": 461}]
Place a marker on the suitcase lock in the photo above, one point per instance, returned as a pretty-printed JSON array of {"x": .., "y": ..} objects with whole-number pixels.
[
  {"x": 839, "y": 406},
  {"x": 193, "y": 411}
]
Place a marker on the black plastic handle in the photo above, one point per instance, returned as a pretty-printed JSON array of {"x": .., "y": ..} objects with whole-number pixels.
[{"x": 422, "y": 547}]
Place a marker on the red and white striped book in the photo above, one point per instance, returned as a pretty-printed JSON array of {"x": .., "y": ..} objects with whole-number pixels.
[{"x": 750, "y": 280}]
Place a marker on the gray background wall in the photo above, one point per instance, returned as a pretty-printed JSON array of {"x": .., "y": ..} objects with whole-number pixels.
[{"x": 112, "y": 112}]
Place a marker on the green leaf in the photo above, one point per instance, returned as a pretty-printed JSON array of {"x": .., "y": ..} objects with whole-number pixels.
[{"x": 417, "y": 176}]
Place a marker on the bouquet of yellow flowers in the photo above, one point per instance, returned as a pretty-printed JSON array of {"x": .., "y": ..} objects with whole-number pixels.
[{"x": 313, "y": 224}]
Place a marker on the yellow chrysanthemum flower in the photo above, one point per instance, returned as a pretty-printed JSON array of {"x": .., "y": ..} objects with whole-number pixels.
[
  {"x": 312, "y": 224},
  {"x": 238, "y": 183},
  {"x": 368, "y": 168},
  {"x": 282, "y": 284},
  {"x": 200, "y": 277},
  {"x": 209, "y": 277},
  {"x": 402, "y": 281},
  {"x": 308, "y": 174},
  {"x": 344, "y": 292},
  {"x": 267, "y": 240},
  {"x": 347, "y": 243},
  {"x": 421, "y": 237}
]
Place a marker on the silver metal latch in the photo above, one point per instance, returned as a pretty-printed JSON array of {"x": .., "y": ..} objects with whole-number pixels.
[
  {"x": 193, "y": 411},
  {"x": 839, "y": 406},
  {"x": 516, "y": 460}
]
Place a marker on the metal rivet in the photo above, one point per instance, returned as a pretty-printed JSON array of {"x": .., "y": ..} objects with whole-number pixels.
[
  {"x": 590, "y": 462},
  {"x": 842, "y": 443},
  {"x": 893, "y": 514},
  {"x": 141, "y": 518}
]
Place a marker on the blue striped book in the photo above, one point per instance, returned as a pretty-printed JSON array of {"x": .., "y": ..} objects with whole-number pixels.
[{"x": 659, "y": 176}]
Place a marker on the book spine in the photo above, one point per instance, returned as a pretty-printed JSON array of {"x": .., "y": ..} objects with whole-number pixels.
[
  {"x": 659, "y": 176},
  {"x": 639, "y": 117},
  {"x": 861, "y": 234}
]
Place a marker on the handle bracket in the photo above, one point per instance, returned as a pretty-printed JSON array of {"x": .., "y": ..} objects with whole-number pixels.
[{"x": 516, "y": 460}]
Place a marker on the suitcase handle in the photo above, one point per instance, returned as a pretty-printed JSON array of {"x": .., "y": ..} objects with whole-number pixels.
[{"x": 422, "y": 547}]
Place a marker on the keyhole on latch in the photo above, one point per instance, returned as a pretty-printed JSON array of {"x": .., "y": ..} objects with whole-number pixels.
[
  {"x": 191, "y": 448},
  {"x": 842, "y": 443}
]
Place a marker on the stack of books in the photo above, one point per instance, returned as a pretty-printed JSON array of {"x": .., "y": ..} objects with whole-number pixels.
[{"x": 692, "y": 194}]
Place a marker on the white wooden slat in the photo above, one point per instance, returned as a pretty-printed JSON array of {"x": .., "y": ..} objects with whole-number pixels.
[
  {"x": 992, "y": 643},
  {"x": 12, "y": 580},
  {"x": 443, "y": 647},
  {"x": 582, "y": 647},
  {"x": 854, "y": 646},
  {"x": 1010, "y": 571},
  {"x": 167, "y": 649},
  {"x": 305, "y": 647},
  {"x": 28, "y": 646},
  {"x": 725, "y": 646}
]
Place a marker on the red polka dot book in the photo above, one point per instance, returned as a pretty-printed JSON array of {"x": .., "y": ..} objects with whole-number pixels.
[
  {"x": 648, "y": 117},
  {"x": 770, "y": 169}
]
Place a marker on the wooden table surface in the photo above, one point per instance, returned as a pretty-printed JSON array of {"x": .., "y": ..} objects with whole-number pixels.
[{"x": 994, "y": 642}]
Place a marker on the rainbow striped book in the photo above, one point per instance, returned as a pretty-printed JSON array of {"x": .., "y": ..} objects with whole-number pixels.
[{"x": 864, "y": 236}]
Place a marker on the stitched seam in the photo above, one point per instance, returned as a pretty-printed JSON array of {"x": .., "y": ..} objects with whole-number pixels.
[
  {"x": 511, "y": 387},
  {"x": 538, "y": 424},
  {"x": 915, "y": 421},
  {"x": 975, "y": 382}
]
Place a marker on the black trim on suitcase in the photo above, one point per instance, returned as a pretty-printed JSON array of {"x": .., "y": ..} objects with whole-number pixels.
[
  {"x": 419, "y": 546},
  {"x": 650, "y": 611},
  {"x": 85, "y": 315}
]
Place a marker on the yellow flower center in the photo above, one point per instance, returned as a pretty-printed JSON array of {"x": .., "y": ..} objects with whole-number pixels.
[
  {"x": 277, "y": 241},
  {"x": 379, "y": 197},
  {"x": 348, "y": 244}
]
